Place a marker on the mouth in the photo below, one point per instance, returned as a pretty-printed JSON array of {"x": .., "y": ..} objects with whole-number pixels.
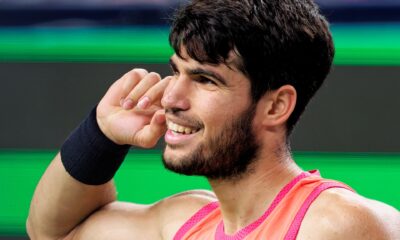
[
  {"x": 180, "y": 129},
  {"x": 178, "y": 134}
]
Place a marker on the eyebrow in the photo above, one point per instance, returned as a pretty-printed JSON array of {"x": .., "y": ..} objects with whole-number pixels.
[{"x": 200, "y": 71}]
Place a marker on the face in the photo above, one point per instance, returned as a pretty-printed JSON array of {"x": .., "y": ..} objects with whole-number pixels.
[{"x": 209, "y": 116}]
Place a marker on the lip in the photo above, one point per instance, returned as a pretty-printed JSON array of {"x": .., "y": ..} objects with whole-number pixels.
[{"x": 172, "y": 138}]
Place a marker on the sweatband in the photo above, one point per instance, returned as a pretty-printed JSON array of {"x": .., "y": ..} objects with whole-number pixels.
[{"x": 89, "y": 156}]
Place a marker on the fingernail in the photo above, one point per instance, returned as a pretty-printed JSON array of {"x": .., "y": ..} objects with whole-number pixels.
[
  {"x": 128, "y": 104},
  {"x": 143, "y": 103}
]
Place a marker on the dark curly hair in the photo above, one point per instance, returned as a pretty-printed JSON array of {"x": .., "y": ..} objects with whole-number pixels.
[{"x": 278, "y": 42}]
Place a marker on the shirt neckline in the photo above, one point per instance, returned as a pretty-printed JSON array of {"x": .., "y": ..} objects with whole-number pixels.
[{"x": 242, "y": 233}]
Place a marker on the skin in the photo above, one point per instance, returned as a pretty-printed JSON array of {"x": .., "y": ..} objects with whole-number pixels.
[
  {"x": 224, "y": 142},
  {"x": 133, "y": 112}
]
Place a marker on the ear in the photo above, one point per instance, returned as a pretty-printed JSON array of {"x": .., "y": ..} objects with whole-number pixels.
[{"x": 279, "y": 105}]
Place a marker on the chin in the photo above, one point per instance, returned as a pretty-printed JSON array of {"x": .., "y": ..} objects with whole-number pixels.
[
  {"x": 171, "y": 161},
  {"x": 176, "y": 151},
  {"x": 172, "y": 155}
]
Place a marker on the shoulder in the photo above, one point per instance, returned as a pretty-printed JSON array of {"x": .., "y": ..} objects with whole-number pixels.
[
  {"x": 342, "y": 214},
  {"x": 161, "y": 220},
  {"x": 177, "y": 209}
]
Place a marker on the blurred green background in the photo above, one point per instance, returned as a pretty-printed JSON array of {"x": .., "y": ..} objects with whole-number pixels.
[
  {"x": 142, "y": 178},
  {"x": 371, "y": 44}
]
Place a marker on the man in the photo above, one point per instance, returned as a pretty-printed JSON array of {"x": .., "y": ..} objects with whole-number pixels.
[{"x": 244, "y": 72}]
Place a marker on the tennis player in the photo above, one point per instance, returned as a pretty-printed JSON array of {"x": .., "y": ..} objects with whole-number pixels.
[{"x": 243, "y": 73}]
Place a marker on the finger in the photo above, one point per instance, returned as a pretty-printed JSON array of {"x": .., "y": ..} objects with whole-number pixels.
[
  {"x": 142, "y": 87},
  {"x": 153, "y": 95},
  {"x": 150, "y": 134},
  {"x": 131, "y": 79},
  {"x": 121, "y": 88}
]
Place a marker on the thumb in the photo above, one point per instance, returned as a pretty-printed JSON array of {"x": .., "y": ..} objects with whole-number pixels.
[{"x": 150, "y": 134}]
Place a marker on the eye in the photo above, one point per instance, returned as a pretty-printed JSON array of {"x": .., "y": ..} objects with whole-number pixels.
[{"x": 204, "y": 80}]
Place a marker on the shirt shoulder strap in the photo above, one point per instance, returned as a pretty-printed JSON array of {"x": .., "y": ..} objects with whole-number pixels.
[
  {"x": 295, "y": 226},
  {"x": 196, "y": 218}
]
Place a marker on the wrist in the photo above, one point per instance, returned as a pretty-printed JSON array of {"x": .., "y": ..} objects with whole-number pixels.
[{"x": 89, "y": 156}]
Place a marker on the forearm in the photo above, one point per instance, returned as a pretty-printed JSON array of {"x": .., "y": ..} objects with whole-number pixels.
[
  {"x": 60, "y": 202},
  {"x": 79, "y": 180}
]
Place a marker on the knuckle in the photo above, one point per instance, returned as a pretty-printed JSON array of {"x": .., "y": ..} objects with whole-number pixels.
[
  {"x": 136, "y": 73},
  {"x": 140, "y": 71},
  {"x": 130, "y": 76},
  {"x": 144, "y": 143},
  {"x": 149, "y": 145},
  {"x": 154, "y": 77}
]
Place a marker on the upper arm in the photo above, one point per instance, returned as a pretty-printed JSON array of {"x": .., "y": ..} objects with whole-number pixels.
[
  {"x": 161, "y": 220},
  {"x": 341, "y": 214},
  {"x": 61, "y": 202},
  {"x": 118, "y": 220}
]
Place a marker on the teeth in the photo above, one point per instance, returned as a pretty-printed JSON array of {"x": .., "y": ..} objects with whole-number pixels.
[
  {"x": 180, "y": 129},
  {"x": 188, "y": 131},
  {"x": 174, "y": 127}
]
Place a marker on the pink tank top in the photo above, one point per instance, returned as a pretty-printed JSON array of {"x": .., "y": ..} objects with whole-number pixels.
[{"x": 282, "y": 219}]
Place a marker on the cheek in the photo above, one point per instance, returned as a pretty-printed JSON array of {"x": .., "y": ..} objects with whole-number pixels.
[
  {"x": 215, "y": 114},
  {"x": 215, "y": 109},
  {"x": 211, "y": 114}
]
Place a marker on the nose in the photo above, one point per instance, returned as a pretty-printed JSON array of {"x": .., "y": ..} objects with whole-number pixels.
[{"x": 176, "y": 95}]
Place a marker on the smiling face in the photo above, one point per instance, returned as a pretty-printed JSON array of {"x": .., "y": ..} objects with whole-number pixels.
[{"x": 209, "y": 116}]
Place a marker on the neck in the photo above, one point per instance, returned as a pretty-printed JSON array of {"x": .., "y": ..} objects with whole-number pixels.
[{"x": 245, "y": 200}]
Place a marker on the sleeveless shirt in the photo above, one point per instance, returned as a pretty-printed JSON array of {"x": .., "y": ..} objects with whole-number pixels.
[{"x": 281, "y": 220}]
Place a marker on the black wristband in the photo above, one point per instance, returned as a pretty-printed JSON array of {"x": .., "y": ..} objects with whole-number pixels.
[{"x": 89, "y": 156}]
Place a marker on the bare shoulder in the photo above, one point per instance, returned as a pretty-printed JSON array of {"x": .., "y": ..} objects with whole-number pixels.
[
  {"x": 342, "y": 214},
  {"x": 177, "y": 209},
  {"x": 122, "y": 220}
]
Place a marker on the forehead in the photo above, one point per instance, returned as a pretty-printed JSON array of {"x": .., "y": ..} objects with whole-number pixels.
[
  {"x": 231, "y": 65},
  {"x": 232, "y": 61}
]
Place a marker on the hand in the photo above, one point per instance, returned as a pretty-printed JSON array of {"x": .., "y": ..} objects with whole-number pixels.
[{"x": 131, "y": 111}]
